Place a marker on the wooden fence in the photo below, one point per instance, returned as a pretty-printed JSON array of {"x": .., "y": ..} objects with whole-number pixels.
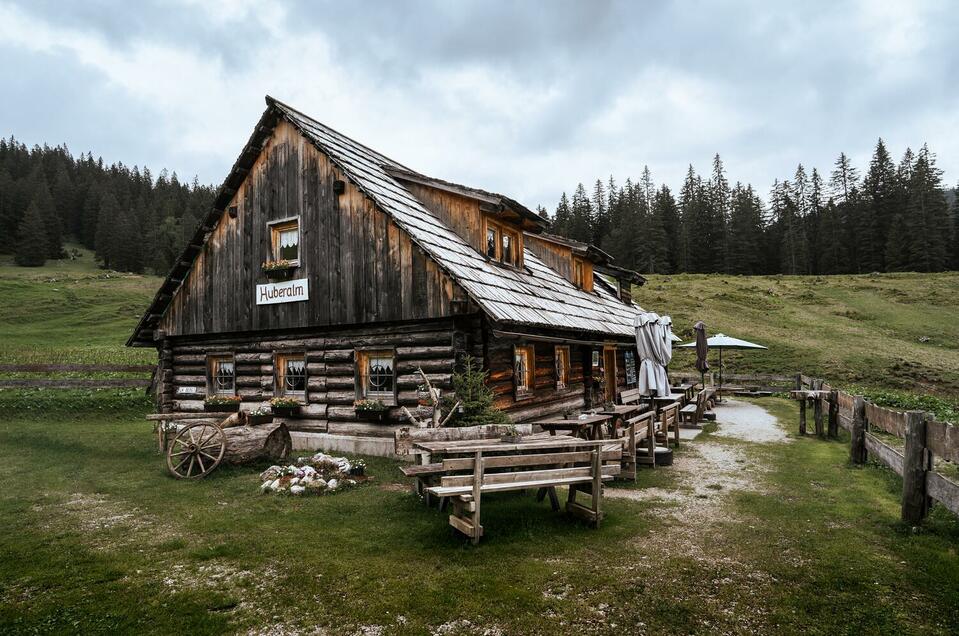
[
  {"x": 740, "y": 384},
  {"x": 926, "y": 440},
  {"x": 75, "y": 382}
]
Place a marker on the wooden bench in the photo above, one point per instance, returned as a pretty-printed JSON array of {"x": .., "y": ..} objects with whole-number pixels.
[
  {"x": 694, "y": 412},
  {"x": 583, "y": 468},
  {"x": 669, "y": 422},
  {"x": 630, "y": 396},
  {"x": 640, "y": 446}
]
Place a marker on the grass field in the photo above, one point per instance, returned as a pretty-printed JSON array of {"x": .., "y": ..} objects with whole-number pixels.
[
  {"x": 98, "y": 539},
  {"x": 880, "y": 333}
]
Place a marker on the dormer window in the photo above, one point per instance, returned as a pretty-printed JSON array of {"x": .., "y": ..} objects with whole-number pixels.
[
  {"x": 285, "y": 241},
  {"x": 503, "y": 244},
  {"x": 582, "y": 274}
]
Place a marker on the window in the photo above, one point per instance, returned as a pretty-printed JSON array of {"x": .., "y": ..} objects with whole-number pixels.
[
  {"x": 291, "y": 374},
  {"x": 221, "y": 375},
  {"x": 562, "y": 367},
  {"x": 503, "y": 244},
  {"x": 630, "y": 357},
  {"x": 285, "y": 241},
  {"x": 377, "y": 375},
  {"x": 578, "y": 272},
  {"x": 524, "y": 370}
]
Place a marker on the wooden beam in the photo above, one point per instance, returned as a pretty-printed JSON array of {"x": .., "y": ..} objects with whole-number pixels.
[{"x": 915, "y": 503}]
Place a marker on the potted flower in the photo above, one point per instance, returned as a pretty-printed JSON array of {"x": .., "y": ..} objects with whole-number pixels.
[
  {"x": 511, "y": 435},
  {"x": 357, "y": 467},
  {"x": 222, "y": 403},
  {"x": 423, "y": 395},
  {"x": 372, "y": 410},
  {"x": 259, "y": 416},
  {"x": 278, "y": 270},
  {"x": 285, "y": 406}
]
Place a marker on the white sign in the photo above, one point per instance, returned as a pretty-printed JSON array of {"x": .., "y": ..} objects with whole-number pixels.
[
  {"x": 290, "y": 291},
  {"x": 187, "y": 390}
]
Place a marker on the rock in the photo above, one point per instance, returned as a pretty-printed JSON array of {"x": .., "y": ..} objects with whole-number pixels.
[
  {"x": 297, "y": 490},
  {"x": 271, "y": 473},
  {"x": 332, "y": 484}
]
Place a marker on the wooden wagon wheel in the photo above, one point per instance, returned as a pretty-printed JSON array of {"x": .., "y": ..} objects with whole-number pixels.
[{"x": 196, "y": 450}]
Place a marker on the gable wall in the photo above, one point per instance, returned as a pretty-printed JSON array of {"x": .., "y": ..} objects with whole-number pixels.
[{"x": 361, "y": 267}]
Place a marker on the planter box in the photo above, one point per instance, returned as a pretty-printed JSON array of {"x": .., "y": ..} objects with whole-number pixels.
[
  {"x": 371, "y": 416},
  {"x": 279, "y": 274},
  {"x": 511, "y": 439},
  {"x": 285, "y": 411},
  {"x": 221, "y": 408},
  {"x": 256, "y": 420}
]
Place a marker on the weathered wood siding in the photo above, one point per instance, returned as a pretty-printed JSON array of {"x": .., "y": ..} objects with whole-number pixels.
[
  {"x": 331, "y": 391},
  {"x": 361, "y": 267},
  {"x": 461, "y": 214},
  {"x": 557, "y": 257},
  {"x": 545, "y": 399}
]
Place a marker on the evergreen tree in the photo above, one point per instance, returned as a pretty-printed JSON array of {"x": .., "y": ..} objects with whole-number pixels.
[
  {"x": 32, "y": 248},
  {"x": 563, "y": 217},
  {"x": 581, "y": 216},
  {"x": 106, "y": 233},
  {"x": 474, "y": 395},
  {"x": 879, "y": 208},
  {"x": 667, "y": 211},
  {"x": 600, "y": 224},
  {"x": 744, "y": 255}
]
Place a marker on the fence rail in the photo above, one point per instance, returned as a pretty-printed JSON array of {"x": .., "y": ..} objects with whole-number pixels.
[
  {"x": 75, "y": 383},
  {"x": 926, "y": 439}
]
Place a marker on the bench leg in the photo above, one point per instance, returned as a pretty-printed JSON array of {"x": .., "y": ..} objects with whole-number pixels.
[
  {"x": 553, "y": 498},
  {"x": 540, "y": 495}
]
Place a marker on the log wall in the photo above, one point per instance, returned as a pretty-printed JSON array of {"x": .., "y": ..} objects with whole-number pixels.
[{"x": 331, "y": 374}]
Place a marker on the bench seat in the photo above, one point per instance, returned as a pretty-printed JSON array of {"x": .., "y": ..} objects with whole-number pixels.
[
  {"x": 454, "y": 491},
  {"x": 422, "y": 469}
]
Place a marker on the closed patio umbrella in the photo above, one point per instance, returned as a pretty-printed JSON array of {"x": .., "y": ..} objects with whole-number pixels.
[
  {"x": 702, "y": 350},
  {"x": 653, "y": 356},
  {"x": 721, "y": 341}
]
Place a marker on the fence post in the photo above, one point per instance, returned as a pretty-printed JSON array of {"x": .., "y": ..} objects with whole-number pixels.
[
  {"x": 915, "y": 504},
  {"x": 857, "y": 446},
  {"x": 834, "y": 414},
  {"x": 817, "y": 407}
]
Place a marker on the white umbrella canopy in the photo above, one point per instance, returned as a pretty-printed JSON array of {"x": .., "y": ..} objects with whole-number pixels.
[
  {"x": 722, "y": 341},
  {"x": 654, "y": 354}
]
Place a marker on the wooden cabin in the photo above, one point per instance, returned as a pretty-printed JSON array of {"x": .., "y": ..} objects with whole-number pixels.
[{"x": 384, "y": 271}]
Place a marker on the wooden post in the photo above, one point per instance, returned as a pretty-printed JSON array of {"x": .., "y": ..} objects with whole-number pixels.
[
  {"x": 799, "y": 381},
  {"x": 597, "y": 485},
  {"x": 477, "y": 490},
  {"x": 915, "y": 504},
  {"x": 166, "y": 393},
  {"x": 802, "y": 416},
  {"x": 857, "y": 447},
  {"x": 834, "y": 414},
  {"x": 817, "y": 408}
]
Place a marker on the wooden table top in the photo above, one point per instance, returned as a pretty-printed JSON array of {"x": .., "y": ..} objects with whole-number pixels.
[
  {"x": 533, "y": 442},
  {"x": 623, "y": 409},
  {"x": 672, "y": 397},
  {"x": 574, "y": 422}
]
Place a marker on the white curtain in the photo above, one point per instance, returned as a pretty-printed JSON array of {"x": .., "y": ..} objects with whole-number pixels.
[
  {"x": 289, "y": 238},
  {"x": 654, "y": 353}
]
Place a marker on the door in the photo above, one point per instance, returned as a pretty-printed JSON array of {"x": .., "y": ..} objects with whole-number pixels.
[{"x": 609, "y": 369}]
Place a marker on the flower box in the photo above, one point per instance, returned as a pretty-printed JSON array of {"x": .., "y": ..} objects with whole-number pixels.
[
  {"x": 258, "y": 419},
  {"x": 512, "y": 439},
  {"x": 278, "y": 270},
  {"x": 371, "y": 416},
  {"x": 222, "y": 404},
  {"x": 285, "y": 411}
]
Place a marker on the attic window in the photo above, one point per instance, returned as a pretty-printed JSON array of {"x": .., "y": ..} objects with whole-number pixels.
[
  {"x": 285, "y": 241},
  {"x": 503, "y": 244},
  {"x": 582, "y": 274}
]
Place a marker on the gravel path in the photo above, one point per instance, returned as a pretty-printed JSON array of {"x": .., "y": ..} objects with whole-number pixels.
[{"x": 748, "y": 422}]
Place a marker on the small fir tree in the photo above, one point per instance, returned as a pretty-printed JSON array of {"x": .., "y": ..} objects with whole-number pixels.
[{"x": 475, "y": 397}]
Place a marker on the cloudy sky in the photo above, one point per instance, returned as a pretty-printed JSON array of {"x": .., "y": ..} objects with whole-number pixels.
[{"x": 524, "y": 98}]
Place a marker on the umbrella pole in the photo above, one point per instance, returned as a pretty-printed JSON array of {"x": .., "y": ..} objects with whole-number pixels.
[{"x": 720, "y": 375}]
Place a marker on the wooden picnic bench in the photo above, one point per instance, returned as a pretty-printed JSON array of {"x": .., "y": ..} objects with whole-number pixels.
[
  {"x": 640, "y": 443},
  {"x": 471, "y": 470},
  {"x": 669, "y": 422},
  {"x": 694, "y": 412}
]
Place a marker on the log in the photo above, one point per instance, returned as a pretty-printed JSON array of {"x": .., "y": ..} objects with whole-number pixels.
[{"x": 248, "y": 443}]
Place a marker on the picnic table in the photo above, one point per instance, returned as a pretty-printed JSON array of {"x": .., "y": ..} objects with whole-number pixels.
[
  {"x": 661, "y": 401},
  {"x": 584, "y": 426},
  {"x": 622, "y": 412},
  {"x": 686, "y": 388},
  {"x": 464, "y": 470}
]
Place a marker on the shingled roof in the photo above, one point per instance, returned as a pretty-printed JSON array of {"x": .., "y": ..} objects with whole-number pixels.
[{"x": 535, "y": 296}]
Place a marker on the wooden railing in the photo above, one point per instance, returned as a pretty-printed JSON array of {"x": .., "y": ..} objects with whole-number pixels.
[
  {"x": 870, "y": 427},
  {"x": 75, "y": 382}
]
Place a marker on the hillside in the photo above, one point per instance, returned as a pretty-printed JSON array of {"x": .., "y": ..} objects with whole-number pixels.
[
  {"x": 71, "y": 311},
  {"x": 869, "y": 330},
  {"x": 885, "y": 331}
]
